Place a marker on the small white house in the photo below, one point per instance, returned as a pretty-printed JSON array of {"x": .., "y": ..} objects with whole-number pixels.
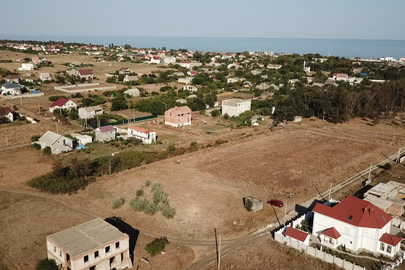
[
  {"x": 146, "y": 135},
  {"x": 129, "y": 78},
  {"x": 186, "y": 80},
  {"x": 190, "y": 88},
  {"x": 12, "y": 89},
  {"x": 45, "y": 77},
  {"x": 232, "y": 80},
  {"x": 234, "y": 107},
  {"x": 90, "y": 112},
  {"x": 134, "y": 92},
  {"x": 56, "y": 142},
  {"x": 63, "y": 103},
  {"x": 26, "y": 67},
  {"x": 82, "y": 139}
]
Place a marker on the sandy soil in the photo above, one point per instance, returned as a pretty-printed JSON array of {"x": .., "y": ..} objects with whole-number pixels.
[{"x": 205, "y": 187}]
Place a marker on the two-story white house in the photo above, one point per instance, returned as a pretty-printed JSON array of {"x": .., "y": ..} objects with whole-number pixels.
[
  {"x": 357, "y": 225},
  {"x": 234, "y": 106},
  {"x": 89, "y": 112},
  {"x": 146, "y": 135},
  {"x": 63, "y": 103},
  {"x": 95, "y": 244}
]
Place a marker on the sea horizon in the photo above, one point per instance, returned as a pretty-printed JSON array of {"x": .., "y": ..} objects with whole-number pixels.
[{"x": 343, "y": 47}]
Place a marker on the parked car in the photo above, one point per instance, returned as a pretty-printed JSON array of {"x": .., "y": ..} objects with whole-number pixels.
[{"x": 276, "y": 203}]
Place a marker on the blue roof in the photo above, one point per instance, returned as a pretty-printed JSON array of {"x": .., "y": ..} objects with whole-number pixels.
[{"x": 11, "y": 85}]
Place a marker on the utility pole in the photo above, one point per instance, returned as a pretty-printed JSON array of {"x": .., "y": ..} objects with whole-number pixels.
[
  {"x": 219, "y": 252},
  {"x": 285, "y": 212}
]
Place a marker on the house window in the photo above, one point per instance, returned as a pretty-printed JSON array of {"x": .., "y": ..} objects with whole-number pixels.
[
  {"x": 389, "y": 248},
  {"x": 96, "y": 254},
  {"x": 86, "y": 258},
  {"x": 54, "y": 248},
  {"x": 382, "y": 246},
  {"x": 117, "y": 245},
  {"x": 107, "y": 249},
  {"x": 331, "y": 241},
  {"x": 60, "y": 253}
]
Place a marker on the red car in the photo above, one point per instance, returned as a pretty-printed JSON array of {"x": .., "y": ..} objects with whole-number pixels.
[{"x": 276, "y": 203}]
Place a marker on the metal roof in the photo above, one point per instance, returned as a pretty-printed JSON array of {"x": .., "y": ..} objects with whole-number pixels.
[
  {"x": 49, "y": 138},
  {"x": 86, "y": 237}
]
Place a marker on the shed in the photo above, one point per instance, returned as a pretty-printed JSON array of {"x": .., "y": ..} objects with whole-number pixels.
[{"x": 257, "y": 204}]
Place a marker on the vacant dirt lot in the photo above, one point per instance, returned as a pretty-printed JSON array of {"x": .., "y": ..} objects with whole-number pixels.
[{"x": 205, "y": 187}]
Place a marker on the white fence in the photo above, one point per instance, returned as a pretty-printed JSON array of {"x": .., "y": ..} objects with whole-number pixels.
[
  {"x": 315, "y": 252},
  {"x": 79, "y": 88},
  {"x": 24, "y": 96}
]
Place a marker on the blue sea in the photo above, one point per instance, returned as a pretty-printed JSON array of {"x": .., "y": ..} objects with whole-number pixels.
[{"x": 349, "y": 48}]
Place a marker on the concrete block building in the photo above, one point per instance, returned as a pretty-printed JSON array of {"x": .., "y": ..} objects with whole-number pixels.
[
  {"x": 94, "y": 245},
  {"x": 234, "y": 106}
]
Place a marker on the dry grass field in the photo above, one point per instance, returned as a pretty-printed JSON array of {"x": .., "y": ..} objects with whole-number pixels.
[{"x": 205, "y": 187}]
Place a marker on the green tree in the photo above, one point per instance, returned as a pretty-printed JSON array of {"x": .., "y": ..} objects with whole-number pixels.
[
  {"x": 47, "y": 264},
  {"x": 119, "y": 103},
  {"x": 157, "y": 246}
]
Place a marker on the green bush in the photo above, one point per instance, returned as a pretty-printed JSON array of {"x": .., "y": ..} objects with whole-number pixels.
[
  {"x": 215, "y": 113},
  {"x": 249, "y": 205},
  {"x": 157, "y": 246},
  {"x": 47, "y": 264},
  {"x": 47, "y": 151},
  {"x": 167, "y": 211},
  {"x": 35, "y": 138},
  {"x": 138, "y": 204},
  {"x": 139, "y": 193},
  {"x": 36, "y": 146},
  {"x": 55, "y": 98},
  {"x": 118, "y": 202}
]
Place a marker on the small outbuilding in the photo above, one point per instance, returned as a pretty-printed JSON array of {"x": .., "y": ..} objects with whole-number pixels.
[
  {"x": 105, "y": 134},
  {"x": 253, "y": 204}
]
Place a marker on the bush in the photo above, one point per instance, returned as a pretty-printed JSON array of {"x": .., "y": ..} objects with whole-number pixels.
[
  {"x": 55, "y": 98},
  {"x": 35, "y": 138},
  {"x": 139, "y": 193},
  {"x": 47, "y": 264},
  {"x": 47, "y": 151},
  {"x": 138, "y": 204},
  {"x": 249, "y": 204},
  {"x": 118, "y": 202},
  {"x": 226, "y": 116},
  {"x": 167, "y": 211},
  {"x": 387, "y": 166},
  {"x": 36, "y": 146},
  {"x": 193, "y": 146},
  {"x": 215, "y": 113},
  {"x": 157, "y": 246}
]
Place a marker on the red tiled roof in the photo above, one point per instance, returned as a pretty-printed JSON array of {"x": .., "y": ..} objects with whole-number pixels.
[
  {"x": 144, "y": 130},
  {"x": 356, "y": 212},
  {"x": 390, "y": 239},
  {"x": 5, "y": 111},
  {"x": 86, "y": 72},
  {"x": 296, "y": 234},
  {"x": 60, "y": 102},
  {"x": 332, "y": 233}
]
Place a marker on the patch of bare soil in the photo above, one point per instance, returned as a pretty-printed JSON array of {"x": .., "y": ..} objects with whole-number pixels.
[{"x": 206, "y": 187}]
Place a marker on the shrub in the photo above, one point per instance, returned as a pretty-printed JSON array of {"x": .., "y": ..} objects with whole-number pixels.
[
  {"x": 193, "y": 146},
  {"x": 157, "y": 246},
  {"x": 47, "y": 151},
  {"x": 167, "y": 211},
  {"x": 118, "y": 202},
  {"x": 47, "y": 264},
  {"x": 151, "y": 209},
  {"x": 36, "y": 146},
  {"x": 215, "y": 113},
  {"x": 147, "y": 183},
  {"x": 35, "y": 138},
  {"x": 387, "y": 166},
  {"x": 139, "y": 193},
  {"x": 249, "y": 204},
  {"x": 55, "y": 98},
  {"x": 138, "y": 204},
  {"x": 226, "y": 116}
]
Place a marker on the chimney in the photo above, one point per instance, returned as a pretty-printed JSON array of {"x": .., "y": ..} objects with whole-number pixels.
[
  {"x": 371, "y": 211},
  {"x": 364, "y": 209}
]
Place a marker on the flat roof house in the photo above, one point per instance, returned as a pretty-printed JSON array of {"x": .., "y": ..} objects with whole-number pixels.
[
  {"x": 234, "y": 107},
  {"x": 95, "y": 244},
  {"x": 147, "y": 136},
  {"x": 178, "y": 116}
]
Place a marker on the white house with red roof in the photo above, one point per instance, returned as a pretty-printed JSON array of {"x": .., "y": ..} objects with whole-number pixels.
[
  {"x": 147, "y": 136},
  {"x": 297, "y": 235},
  {"x": 155, "y": 60},
  {"x": 86, "y": 73},
  {"x": 356, "y": 224},
  {"x": 63, "y": 103}
]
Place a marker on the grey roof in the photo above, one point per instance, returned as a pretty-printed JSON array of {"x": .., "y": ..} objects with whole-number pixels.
[
  {"x": 11, "y": 85},
  {"x": 233, "y": 101},
  {"x": 92, "y": 108},
  {"x": 49, "y": 137},
  {"x": 86, "y": 237}
]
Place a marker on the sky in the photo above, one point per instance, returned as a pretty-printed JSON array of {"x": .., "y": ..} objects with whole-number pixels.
[{"x": 342, "y": 19}]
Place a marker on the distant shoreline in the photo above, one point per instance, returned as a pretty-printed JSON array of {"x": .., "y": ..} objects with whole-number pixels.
[{"x": 349, "y": 48}]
